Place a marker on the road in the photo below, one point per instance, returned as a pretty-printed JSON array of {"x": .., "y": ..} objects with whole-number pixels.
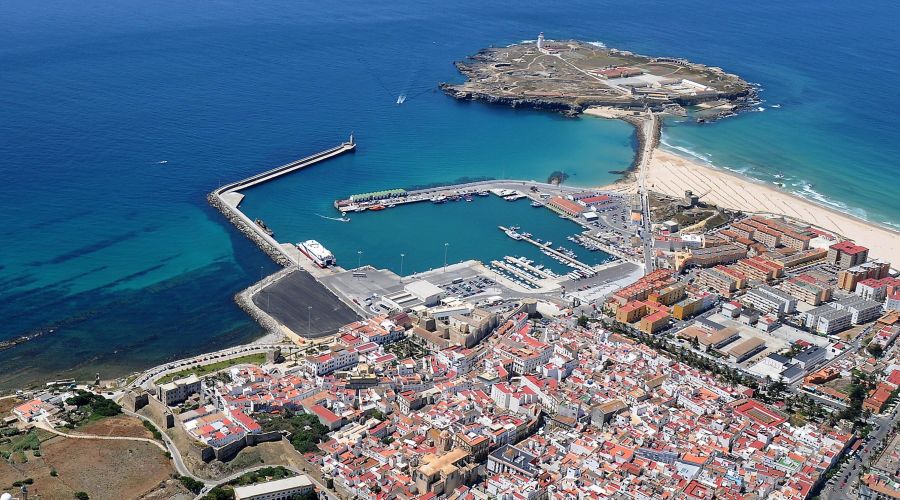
[
  {"x": 844, "y": 484},
  {"x": 646, "y": 235},
  {"x": 42, "y": 424},
  {"x": 177, "y": 460},
  {"x": 145, "y": 377}
]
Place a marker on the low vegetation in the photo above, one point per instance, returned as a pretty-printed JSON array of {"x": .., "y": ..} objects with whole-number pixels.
[
  {"x": 305, "y": 429},
  {"x": 153, "y": 430},
  {"x": 226, "y": 492},
  {"x": 92, "y": 407},
  {"x": 191, "y": 484},
  {"x": 200, "y": 371}
]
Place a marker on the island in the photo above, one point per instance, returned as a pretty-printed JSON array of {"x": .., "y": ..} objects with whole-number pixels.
[{"x": 569, "y": 76}]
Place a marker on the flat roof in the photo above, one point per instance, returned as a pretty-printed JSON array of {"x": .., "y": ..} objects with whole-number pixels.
[
  {"x": 272, "y": 486},
  {"x": 423, "y": 289}
]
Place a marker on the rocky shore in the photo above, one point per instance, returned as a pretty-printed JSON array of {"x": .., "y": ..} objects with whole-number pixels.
[
  {"x": 244, "y": 300},
  {"x": 250, "y": 232}
]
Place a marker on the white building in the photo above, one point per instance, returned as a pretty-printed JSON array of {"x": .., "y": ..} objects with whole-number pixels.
[
  {"x": 770, "y": 300},
  {"x": 861, "y": 310},
  {"x": 425, "y": 291},
  {"x": 178, "y": 391},
  {"x": 282, "y": 489},
  {"x": 328, "y": 362}
]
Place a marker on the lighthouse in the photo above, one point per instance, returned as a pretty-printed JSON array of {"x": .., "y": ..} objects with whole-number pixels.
[{"x": 540, "y": 41}]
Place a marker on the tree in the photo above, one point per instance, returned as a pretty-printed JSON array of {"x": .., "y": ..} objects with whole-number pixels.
[
  {"x": 875, "y": 350},
  {"x": 583, "y": 321},
  {"x": 191, "y": 484},
  {"x": 82, "y": 496},
  {"x": 219, "y": 493}
]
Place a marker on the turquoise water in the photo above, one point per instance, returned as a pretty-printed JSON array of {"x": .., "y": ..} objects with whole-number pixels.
[
  {"x": 420, "y": 230},
  {"x": 119, "y": 254}
]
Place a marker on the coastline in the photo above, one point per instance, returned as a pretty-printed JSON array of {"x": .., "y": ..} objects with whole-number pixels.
[{"x": 671, "y": 173}]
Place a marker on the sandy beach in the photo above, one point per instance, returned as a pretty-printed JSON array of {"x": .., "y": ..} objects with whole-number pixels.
[{"x": 672, "y": 174}]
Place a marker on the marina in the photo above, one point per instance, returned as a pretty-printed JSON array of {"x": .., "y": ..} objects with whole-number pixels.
[{"x": 441, "y": 217}]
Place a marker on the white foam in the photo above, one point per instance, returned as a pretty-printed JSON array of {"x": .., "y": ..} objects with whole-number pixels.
[
  {"x": 598, "y": 44},
  {"x": 690, "y": 152},
  {"x": 800, "y": 187}
]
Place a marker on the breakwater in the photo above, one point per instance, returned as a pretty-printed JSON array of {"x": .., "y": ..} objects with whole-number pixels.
[{"x": 227, "y": 198}]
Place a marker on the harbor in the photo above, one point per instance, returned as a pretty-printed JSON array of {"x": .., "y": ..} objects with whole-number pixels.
[{"x": 344, "y": 271}]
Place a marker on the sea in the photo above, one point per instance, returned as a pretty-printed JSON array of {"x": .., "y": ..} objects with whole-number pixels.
[{"x": 118, "y": 117}]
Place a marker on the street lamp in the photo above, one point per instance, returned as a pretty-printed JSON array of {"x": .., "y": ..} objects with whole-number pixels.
[{"x": 446, "y": 245}]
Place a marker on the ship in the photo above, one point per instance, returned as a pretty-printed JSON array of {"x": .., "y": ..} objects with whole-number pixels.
[
  {"x": 262, "y": 225},
  {"x": 317, "y": 253}
]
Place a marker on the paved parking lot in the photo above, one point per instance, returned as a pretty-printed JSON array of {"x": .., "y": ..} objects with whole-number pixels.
[
  {"x": 467, "y": 287},
  {"x": 289, "y": 301}
]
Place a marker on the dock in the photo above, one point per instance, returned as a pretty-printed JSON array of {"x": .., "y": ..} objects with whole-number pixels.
[
  {"x": 230, "y": 192},
  {"x": 575, "y": 263},
  {"x": 508, "y": 189}
]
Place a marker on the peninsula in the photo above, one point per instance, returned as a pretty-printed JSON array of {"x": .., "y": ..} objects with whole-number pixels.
[{"x": 570, "y": 76}]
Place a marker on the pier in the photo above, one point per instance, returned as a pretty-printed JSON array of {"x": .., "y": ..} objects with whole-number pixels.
[
  {"x": 227, "y": 198},
  {"x": 298, "y": 288},
  {"x": 519, "y": 189},
  {"x": 228, "y": 191},
  {"x": 575, "y": 263}
]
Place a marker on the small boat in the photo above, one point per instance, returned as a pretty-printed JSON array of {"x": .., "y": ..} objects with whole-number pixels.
[
  {"x": 439, "y": 199},
  {"x": 536, "y": 204},
  {"x": 484, "y": 193},
  {"x": 401, "y": 99},
  {"x": 376, "y": 208},
  {"x": 468, "y": 197},
  {"x": 262, "y": 225}
]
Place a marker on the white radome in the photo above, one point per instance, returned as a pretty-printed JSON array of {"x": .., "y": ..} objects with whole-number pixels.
[{"x": 6, "y": 496}]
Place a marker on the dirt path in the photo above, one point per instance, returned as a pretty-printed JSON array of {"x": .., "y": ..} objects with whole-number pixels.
[{"x": 47, "y": 427}]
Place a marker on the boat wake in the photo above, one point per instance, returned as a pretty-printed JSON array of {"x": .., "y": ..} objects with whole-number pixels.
[{"x": 338, "y": 219}]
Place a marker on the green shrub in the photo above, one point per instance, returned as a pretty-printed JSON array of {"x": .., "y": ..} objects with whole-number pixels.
[{"x": 191, "y": 484}]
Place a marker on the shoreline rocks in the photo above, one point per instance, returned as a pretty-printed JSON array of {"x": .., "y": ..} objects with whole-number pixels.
[{"x": 274, "y": 253}]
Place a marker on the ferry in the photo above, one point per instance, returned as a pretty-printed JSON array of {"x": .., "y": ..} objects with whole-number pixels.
[
  {"x": 262, "y": 225},
  {"x": 317, "y": 253},
  {"x": 376, "y": 208}
]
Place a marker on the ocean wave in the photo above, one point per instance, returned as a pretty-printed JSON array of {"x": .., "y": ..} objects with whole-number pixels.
[
  {"x": 798, "y": 187},
  {"x": 807, "y": 191},
  {"x": 689, "y": 152},
  {"x": 598, "y": 44}
]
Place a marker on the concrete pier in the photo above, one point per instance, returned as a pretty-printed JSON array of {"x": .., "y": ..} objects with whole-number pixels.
[
  {"x": 327, "y": 303},
  {"x": 227, "y": 198},
  {"x": 276, "y": 172}
]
